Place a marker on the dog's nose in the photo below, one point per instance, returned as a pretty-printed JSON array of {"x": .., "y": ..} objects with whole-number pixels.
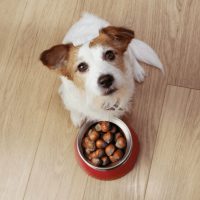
[{"x": 106, "y": 81}]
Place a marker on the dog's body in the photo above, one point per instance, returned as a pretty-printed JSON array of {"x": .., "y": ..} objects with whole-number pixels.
[{"x": 98, "y": 64}]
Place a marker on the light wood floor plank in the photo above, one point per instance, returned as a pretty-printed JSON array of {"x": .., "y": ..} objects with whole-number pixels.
[
  {"x": 185, "y": 68},
  {"x": 55, "y": 174},
  {"x": 175, "y": 167},
  {"x": 26, "y": 89},
  {"x": 11, "y": 16}
]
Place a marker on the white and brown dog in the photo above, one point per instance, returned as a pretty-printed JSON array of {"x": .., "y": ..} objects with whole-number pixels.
[{"x": 98, "y": 64}]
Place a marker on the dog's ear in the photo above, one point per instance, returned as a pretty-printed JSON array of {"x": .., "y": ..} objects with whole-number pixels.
[
  {"x": 56, "y": 56},
  {"x": 120, "y": 37}
]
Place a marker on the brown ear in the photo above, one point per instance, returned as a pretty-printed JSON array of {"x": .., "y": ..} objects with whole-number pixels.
[
  {"x": 120, "y": 36},
  {"x": 56, "y": 56}
]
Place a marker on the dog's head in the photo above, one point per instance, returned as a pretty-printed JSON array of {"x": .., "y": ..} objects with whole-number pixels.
[{"x": 97, "y": 67}]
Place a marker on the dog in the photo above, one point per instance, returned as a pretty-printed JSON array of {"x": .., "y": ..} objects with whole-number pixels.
[{"x": 98, "y": 63}]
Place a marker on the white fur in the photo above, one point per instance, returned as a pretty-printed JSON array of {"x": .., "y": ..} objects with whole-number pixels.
[
  {"x": 86, "y": 29},
  {"x": 89, "y": 103}
]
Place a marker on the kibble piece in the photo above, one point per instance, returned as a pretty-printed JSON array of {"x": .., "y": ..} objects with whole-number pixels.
[
  {"x": 88, "y": 156},
  {"x": 91, "y": 146},
  {"x": 110, "y": 149},
  {"x": 108, "y": 137},
  {"x": 88, "y": 151},
  {"x": 105, "y": 126},
  {"x": 97, "y": 154},
  {"x": 117, "y": 155},
  {"x": 101, "y": 144},
  {"x": 121, "y": 143},
  {"x": 96, "y": 161},
  {"x": 98, "y": 127},
  {"x": 105, "y": 160},
  {"x": 88, "y": 144},
  {"x": 100, "y": 153},
  {"x": 113, "y": 129},
  {"x": 93, "y": 135},
  {"x": 117, "y": 135},
  {"x": 112, "y": 158},
  {"x": 85, "y": 142},
  {"x": 93, "y": 155}
]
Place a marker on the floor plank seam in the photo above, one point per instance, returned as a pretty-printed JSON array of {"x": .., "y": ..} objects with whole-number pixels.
[
  {"x": 155, "y": 142},
  {"x": 39, "y": 140},
  {"x": 14, "y": 41},
  {"x": 85, "y": 188},
  {"x": 181, "y": 86}
]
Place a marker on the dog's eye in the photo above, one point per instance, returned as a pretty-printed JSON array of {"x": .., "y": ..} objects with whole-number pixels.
[
  {"x": 82, "y": 67},
  {"x": 109, "y": 55}
]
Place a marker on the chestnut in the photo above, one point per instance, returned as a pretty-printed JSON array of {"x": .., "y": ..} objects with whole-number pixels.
[
  {"x": 93, "y": 135},
  {"x": 86, "y": 140},
  {"x": 117, "y": 155},
  {"x": 99, "y": 153},
  {"x": 98, "y": 127},
  {"x": 101, "y": 144},
  {"x": 121, "y": 143},
  {"x": 96, "y": 154},
  {"x": 105, "y": 126},
  {"x": 113, "y": 129},
  {"x": 88, "y": 144},
  {"x": 117, "y": 135},
  {"x": 110, "y": 149},
  {"x": 92, "y": 155},
  {"x": 88, "y": 151},
  {"x": 108, "y": 137},
  {"x": 105, "y": 160},
  {"x": 96, "y": 161}
]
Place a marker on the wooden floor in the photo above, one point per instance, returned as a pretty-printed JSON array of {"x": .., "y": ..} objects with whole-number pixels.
[{"x": 36, "y": 136}]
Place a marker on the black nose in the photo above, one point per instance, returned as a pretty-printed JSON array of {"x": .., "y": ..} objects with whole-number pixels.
[{"x": 105, "y": 81}]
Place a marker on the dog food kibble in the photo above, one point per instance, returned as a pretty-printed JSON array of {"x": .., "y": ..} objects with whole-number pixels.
[
  {"x": 99, "y": 153},
  {"x": 110, "y": 149},
  {"x": 108, "y": 137},
  {"x": 98, "y": 127},
  {"x": 105, "y": 160},
  {"x": 96, "y": 161},
  {"x": 113, "y": 129},
  {"x": 88, "y": 151},
  {"x": 105, "y": 126},
  {"x": 103, "y": 144},
  {"x": 93, "y": 135},
  {"x": 117, "y": 135},
  {"x": 89, "y": 144},
  {"x": 118, "y": 154},
  {"x": 121, "y": 143}
]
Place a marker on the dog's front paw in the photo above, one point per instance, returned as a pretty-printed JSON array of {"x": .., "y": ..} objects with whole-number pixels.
[{"x": 77, "y": 119}]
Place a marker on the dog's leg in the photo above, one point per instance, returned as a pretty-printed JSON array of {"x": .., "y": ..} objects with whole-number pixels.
[{"x": 77, "y": 118}]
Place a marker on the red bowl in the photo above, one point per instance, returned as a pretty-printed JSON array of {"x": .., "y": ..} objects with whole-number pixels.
[{"x": 117, "y": 170}]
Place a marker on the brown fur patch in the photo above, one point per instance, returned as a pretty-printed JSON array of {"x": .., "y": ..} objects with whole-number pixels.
[
  {"x": 118, "y": 39},
  {"x": 115, "y": 37},
  {"x": 77, "y": 78},
  {"x": 62, "y": 58}
]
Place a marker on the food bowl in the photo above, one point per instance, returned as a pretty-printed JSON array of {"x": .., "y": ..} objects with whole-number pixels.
[{"x": 116, "y": 169}]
